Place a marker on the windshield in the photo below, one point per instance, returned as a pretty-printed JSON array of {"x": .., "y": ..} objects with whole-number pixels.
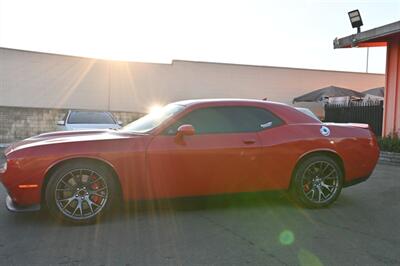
[{"x": 153, "y": 119}]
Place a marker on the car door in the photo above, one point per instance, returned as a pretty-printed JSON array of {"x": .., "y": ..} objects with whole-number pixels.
[
  {"x": 221, "y": 157},
  {"x": 276, "y": 158}
]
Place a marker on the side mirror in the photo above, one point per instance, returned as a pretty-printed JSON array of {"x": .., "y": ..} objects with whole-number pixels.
[
  {"x": 61, "y": 123},
  {"x": 120, "y": 123},
  {"x": 184, "y": 130}
]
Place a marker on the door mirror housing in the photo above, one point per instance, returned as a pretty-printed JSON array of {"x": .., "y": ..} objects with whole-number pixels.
[
  {"x": 120, "y": 123},
  {"x": 61, "y": 123},
  {"x": 185, "y": 130}
]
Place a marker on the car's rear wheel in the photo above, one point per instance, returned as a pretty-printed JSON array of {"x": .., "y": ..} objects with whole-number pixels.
[
  {"x": 317, "y": 182},
  {"x": 80, "y": 192}
]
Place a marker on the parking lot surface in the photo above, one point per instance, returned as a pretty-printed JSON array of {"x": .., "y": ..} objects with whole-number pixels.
[{"x": 361, "y": 228}]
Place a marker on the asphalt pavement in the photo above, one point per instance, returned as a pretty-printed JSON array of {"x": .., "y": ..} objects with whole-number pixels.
[{"x": 361, "y": 228}]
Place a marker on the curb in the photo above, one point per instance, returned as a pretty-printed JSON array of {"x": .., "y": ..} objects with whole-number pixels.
[{"x": 392, "y": 158}]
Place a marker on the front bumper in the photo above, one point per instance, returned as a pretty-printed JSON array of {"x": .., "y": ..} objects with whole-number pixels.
[{"x": 11, "y": 206}]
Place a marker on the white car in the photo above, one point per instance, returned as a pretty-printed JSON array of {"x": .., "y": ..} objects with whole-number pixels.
[{"x": 83, "y": 120}]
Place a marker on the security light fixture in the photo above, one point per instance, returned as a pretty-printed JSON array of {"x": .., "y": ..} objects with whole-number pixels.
[{"x": 355, "y": 19}]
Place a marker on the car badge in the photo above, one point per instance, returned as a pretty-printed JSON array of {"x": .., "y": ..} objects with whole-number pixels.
[
  {"x": 325, "y": 131},
  {"x": 268, "y": 124}
]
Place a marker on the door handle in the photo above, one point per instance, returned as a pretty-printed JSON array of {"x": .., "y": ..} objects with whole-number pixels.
[{"x": 249, "y": 141}]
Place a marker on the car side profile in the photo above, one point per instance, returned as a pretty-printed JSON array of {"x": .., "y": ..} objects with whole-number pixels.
[
  {"x": 189, "y": 148},
  {"x": 84, "y": 120}
]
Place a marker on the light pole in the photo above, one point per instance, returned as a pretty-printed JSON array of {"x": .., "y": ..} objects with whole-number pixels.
[
  {"x": 356, "y": 22},
  {"x": 355, "y": 19},
  {"x": 109, "y": 85}
]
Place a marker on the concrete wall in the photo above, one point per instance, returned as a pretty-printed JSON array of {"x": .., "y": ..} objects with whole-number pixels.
[
  {"x": 31, "y": 79},
  {"x": 36, "y": 89},
  {"x": 18, "y": 123}
]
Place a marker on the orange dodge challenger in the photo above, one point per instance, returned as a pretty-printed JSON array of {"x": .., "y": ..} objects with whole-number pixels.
[{"x": 188, "y": 148}]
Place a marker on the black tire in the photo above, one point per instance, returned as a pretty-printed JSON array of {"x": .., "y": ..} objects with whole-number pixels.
[
  {"x": 317, "y": 181},
  {"x": 92, "y": 195}
]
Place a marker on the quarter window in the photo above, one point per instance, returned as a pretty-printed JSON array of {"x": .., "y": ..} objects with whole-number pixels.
[{"x": 228, "y": 119}]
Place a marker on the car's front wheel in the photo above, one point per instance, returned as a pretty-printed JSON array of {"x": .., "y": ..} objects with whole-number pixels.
[
  {"x": 317, "y": 182},
  {"x": 80, "y": 192}
]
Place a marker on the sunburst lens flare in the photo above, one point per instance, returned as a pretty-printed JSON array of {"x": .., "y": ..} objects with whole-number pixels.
[{"x": 156, "y": 110}]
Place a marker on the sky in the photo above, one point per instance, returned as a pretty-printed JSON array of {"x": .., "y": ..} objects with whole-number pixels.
[{"x": 287, "y": 33}]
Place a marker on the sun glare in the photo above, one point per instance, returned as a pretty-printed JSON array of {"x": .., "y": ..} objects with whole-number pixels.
[{"x": 155, "y": 110}]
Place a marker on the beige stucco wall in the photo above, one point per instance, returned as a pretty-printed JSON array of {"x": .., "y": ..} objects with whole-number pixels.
[{"x": 30, "y": 79}]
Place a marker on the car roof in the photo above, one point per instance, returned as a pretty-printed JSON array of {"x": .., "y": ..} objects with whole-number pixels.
[
  {"x": 225, "y": 101},
  {"x": 88, "y": 111}
]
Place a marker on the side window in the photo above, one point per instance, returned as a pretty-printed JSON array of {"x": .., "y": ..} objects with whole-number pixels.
[
  {"x": 251, "y": 119},
  {"x": 230, "y": 119}
]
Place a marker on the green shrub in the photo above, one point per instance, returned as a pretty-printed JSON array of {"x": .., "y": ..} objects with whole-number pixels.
[{"x": 390, "y": 143}]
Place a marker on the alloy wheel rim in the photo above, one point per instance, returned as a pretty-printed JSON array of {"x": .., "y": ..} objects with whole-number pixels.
[
  {"x": 320, "y": 181},
  {"x": 81, "y": 194}
]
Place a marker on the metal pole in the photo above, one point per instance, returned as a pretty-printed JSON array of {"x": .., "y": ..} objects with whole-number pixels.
[
  {"x": 366, "y": 70},
  {"x": 109, "y": 85}
]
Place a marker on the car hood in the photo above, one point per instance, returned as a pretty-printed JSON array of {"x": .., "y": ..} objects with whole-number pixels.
[{"x": 69, "y": 136}]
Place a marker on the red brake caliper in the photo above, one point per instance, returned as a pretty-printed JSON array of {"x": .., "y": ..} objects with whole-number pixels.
[{"x": 96, "y": 199}]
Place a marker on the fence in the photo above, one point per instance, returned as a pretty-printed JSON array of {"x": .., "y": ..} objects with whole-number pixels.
[{"x": 357, "y": 112}]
